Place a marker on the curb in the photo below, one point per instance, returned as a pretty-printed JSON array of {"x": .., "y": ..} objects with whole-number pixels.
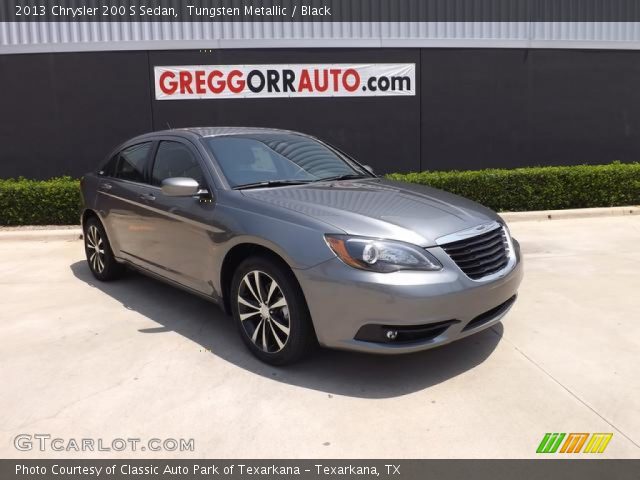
[
  {"x": 43, "y": 234},
  {"x": 570, "y": 214}
]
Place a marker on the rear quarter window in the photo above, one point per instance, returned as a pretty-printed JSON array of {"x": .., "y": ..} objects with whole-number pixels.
[
  {"x": 109, "y": 168},
  {"x": 129, "y": 164}
]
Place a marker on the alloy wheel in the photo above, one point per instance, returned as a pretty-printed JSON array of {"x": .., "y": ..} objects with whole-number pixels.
[
  {"x": 264, "y": 312},
  {"x": 95, "y": 249}
]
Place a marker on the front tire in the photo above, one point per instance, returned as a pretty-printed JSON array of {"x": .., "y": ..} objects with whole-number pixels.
[
  {"x": 270, "y": 311},
  {"x": 100, "y": 258}
]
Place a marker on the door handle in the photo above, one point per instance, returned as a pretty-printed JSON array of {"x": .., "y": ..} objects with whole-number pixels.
[
  {"x": 105, "y": 186},
  {"x": 148, "y": 196}
]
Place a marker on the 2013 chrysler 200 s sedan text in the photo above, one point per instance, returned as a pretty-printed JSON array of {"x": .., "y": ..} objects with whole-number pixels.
[{"x": 301, "y": 243}]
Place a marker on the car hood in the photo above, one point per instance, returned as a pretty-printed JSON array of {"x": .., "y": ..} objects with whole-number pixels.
[{"x": 380, "y": 208}]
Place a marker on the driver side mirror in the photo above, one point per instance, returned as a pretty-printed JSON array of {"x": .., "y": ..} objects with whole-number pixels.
[
  {"x": 180, "y": 187},
  {"x": 369, "y": 169}
]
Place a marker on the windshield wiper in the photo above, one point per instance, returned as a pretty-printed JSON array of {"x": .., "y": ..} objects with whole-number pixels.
[
  {"x": 347, "y": 176},
  {"x": 271, "y": 183}
]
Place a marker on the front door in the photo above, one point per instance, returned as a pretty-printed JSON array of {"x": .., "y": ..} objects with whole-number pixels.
[{"x": 180, "y": 244}]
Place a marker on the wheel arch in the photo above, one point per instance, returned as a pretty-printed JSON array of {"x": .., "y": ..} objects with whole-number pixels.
[
  {"x": 235, "y": 256},
  {"x": 88, "y": 213}
]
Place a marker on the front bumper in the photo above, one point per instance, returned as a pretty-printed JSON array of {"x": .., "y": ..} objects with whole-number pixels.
[{"x": 342, "y": 300}]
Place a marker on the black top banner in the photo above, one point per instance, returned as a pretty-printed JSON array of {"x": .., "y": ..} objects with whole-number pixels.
[{"x": 320, "y": 11}]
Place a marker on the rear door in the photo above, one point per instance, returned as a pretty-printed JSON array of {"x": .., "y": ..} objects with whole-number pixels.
[{"x": 122, "y": 188}]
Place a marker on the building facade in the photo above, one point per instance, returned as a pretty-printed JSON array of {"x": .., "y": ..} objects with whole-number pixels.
[{"x": 534, "y": 89}]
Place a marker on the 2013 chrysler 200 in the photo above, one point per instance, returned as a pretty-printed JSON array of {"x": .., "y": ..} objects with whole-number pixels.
[{"x": 301, "y": 243}]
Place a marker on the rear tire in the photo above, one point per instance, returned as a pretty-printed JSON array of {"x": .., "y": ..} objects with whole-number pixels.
[
  {"x": 270, "y": 311},
  {"x": 100, "y": 258}
]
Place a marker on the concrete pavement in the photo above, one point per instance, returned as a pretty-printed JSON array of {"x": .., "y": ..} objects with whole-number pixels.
[{"x": 139, "y": 359}]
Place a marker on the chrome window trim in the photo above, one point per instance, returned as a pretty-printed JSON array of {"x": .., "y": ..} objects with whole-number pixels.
[{"x": 468, "y": 233}]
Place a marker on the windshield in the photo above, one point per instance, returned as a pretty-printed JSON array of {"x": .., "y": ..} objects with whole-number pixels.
[{"x": 278, "y": 157}]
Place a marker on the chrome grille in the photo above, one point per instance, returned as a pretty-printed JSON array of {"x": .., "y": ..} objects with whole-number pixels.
[{"x": 481, "y": 255}]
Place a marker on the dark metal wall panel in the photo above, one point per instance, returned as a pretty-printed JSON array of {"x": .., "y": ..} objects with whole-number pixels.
[
  {"x": 473, "y": 109},
  {"x": 510, "y": 108},
  {"x": 584, "y": 107},
  {"x": 61, "y": 113}
]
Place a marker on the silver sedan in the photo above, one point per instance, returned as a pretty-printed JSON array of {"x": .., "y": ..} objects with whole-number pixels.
[{"x": 299, "y": 242}]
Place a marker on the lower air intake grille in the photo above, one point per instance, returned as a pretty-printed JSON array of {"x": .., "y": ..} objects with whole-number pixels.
[{"x": 481, "y": 255}]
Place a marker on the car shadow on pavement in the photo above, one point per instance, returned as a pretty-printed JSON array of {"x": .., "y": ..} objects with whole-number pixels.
[{"x": 331, "y": 371}]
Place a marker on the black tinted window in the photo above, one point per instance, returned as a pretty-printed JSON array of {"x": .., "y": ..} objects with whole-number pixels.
[
  {"x": 109, "y": 168},
  {"x": 175, "y": 160},
  {"x": 131, "y": 162}
]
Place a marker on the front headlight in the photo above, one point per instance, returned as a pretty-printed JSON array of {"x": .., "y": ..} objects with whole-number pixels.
[{"x": 381, "y": 255}]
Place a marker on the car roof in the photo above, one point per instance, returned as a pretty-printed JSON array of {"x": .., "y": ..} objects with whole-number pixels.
[
  {"x": 217, "y": 131},
  {"x": 211, "y": 132}
]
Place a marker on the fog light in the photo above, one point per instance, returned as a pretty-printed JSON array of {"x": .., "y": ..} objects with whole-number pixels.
[{"x": 392, "y": 334}]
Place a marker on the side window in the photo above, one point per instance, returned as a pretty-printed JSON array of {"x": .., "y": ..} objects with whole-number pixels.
[
  {"x": 132, "y": 162},
  {"x": 174, "y": 159},
  {"x": 109, "y": 168}
]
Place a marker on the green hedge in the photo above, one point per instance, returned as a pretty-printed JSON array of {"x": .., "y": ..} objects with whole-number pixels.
[
  {"x": 57, "y": 201},
  {"x": 34, "y": 202},
  {"x": 540, "y": 188}
]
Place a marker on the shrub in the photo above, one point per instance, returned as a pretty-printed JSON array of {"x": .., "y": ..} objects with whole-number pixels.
[
  {"x": 35, "y": 202},
  {"x": 57, "y": 201},
  {"x": 539, "y": 188}
]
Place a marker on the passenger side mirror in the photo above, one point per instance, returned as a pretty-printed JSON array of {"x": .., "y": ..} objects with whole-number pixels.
[
  {"x": 369, "y": 169},
  {"x": 180, "y": 187}
]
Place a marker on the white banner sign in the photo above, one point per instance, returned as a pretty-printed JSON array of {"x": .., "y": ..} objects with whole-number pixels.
[{"x": 285, "y": 81}]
